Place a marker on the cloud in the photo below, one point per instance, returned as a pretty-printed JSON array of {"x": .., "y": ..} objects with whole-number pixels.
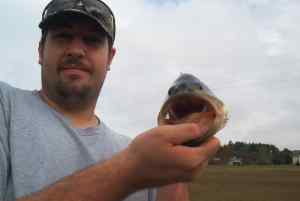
[{"x": 244, "y": 51}]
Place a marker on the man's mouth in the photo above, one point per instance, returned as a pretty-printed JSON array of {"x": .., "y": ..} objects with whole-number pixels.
[{"x": 74, "y": 71}]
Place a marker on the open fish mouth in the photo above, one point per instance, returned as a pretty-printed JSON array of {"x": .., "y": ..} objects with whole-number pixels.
[
  {"x": 182, "y": 105},
  {"x": 193, "y": 102}
]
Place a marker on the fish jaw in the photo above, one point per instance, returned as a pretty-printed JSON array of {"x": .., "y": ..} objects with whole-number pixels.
[{"x": 215, "y": 115}]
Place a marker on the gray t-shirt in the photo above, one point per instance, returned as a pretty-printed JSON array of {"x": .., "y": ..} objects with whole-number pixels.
[{"x": 38, "y": 146}]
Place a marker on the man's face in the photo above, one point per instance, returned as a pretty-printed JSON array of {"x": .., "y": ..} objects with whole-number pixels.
[{"x": 75, "y": 58}]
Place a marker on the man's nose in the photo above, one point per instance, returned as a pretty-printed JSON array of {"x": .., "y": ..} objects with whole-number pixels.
[{"x": 76, "y": 48}]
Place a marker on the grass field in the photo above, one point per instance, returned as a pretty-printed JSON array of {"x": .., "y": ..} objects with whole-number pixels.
[{"x": 247, "y": 183}]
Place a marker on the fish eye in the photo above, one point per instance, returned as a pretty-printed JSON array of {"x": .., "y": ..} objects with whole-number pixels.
[
  {"x": 172, "y": 91},
  {"x": 197, "y": 86}
]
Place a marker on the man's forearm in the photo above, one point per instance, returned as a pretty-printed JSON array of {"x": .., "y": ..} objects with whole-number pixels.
[
  {"x": 109, "y": 181},
  {"x": 174, "y": 192}
]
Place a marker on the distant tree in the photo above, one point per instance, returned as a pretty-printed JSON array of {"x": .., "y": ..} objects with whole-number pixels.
[
  {"x": 264, "y": 156},
  {"x": 254, "y": 153},
  {"x": 287, "y": 156},
  {"x": 283, "y": 157},
  {"x": 225, "y": 153}
]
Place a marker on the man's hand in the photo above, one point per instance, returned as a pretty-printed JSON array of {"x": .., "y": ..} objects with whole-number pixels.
[{"x": 158, "y": 157}]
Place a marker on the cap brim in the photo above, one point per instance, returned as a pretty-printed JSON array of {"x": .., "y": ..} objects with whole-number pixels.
[{"x": 65, "y": 15}]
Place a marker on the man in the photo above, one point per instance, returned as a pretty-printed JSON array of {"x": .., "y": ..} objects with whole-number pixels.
[{"x": 54, "y": 147}]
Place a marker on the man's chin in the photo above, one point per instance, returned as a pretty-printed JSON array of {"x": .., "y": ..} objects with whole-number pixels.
[
  {"x": 75, "y": 81},
  {"x": 75, "y": 88},
  {"x": 75, "y": 97}
]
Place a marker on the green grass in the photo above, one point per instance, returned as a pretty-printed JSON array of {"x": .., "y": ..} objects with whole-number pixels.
[{"x": 247, "y": 183}]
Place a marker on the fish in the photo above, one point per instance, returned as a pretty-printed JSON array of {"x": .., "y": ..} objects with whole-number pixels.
[{"x": 189, "y": 100}]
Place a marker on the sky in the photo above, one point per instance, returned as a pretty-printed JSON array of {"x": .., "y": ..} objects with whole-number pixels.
[{"x": 247, "y": 52}]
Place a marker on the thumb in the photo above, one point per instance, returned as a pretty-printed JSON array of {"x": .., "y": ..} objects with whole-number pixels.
[{"x": 180, "y": 133}]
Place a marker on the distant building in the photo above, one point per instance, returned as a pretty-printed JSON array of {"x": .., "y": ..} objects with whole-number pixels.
[
  {"x": 215, "y": 161},
  {"x": 296, "y": 157},
  {"x": 235, "y": 161}
]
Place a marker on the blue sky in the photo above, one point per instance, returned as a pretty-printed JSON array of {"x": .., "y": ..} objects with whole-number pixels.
[{"x": 247, "y": 52}]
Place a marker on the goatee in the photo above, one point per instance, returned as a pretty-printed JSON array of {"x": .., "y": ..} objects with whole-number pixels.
[{"x": 73, "y": 97}]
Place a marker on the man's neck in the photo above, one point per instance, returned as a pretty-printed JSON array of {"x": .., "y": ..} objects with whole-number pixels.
[{"x": 79, "y": 119}]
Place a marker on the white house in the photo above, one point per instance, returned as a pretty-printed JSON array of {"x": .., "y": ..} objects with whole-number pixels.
[
  {"x": 235, "y": 161},
  {"x": 296, "y": 157}
]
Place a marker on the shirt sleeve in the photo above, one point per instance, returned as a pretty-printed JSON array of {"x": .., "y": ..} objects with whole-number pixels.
[
  {"x": 4, "y": 150},
  {"x": 152, "y": 194}
]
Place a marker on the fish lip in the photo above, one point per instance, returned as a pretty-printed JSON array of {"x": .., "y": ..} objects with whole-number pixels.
[
  {"x": 173, "y": 101},
  {"x": 187, "y": 93}
]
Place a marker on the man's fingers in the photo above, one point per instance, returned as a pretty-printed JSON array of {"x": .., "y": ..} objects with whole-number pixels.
[
  {"x": 178, "y": 134},
  {"x": 208, "y": 148},
  {"x": 194, "y": 156}
]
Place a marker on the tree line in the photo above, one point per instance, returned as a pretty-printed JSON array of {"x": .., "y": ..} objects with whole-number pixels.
[{"x": 253, "y": 154}]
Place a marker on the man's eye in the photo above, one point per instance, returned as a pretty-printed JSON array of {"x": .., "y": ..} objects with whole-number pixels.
[
  {"x": 94, "y": 40},
  {"x": 63, "y": 36}
]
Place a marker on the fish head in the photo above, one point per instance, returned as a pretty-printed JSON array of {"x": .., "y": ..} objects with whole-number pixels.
[
  {"x": 189, "y": 100},
  {"x": 188, "y": 84}
]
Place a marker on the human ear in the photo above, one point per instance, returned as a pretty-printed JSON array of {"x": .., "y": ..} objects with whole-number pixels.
[
  {"x": 110, "y": 57},
  {"x": 40, "y": 50}
]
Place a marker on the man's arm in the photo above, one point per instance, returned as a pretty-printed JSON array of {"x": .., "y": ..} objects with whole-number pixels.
[
  {"x": 109, "y": 181},
  {"x": 174, "y": 192},
  {"x": 4, "y": 150},
  {"x": 3, "y": 167},
  {"x": 154, "y": 158},
  {"x": 177, "y": 191}
]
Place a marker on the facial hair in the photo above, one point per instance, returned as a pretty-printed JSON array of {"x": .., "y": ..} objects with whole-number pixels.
[
  {"x": 68, "y": 95},
  {"x": 74, "y": 98}
]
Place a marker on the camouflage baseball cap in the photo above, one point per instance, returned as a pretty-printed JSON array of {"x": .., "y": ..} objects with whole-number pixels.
[{"x": 96, "y": 10}]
